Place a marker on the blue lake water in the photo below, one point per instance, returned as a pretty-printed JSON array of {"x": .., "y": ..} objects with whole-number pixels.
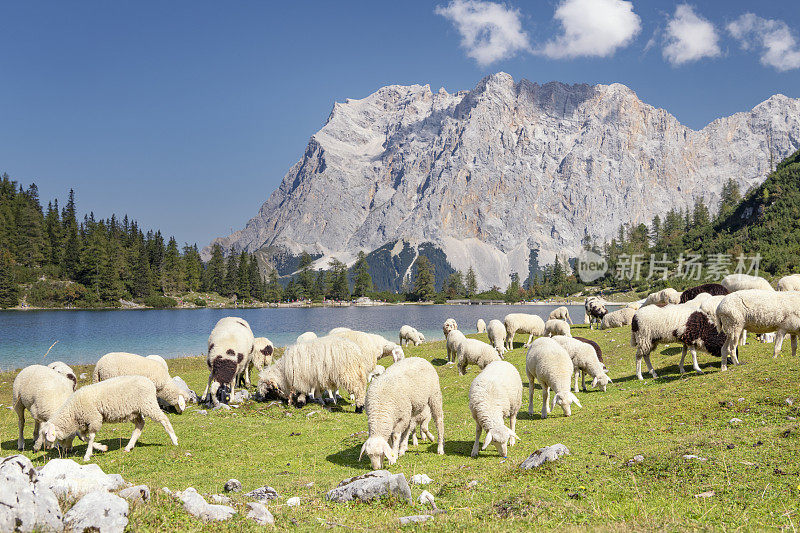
[{"x": 84, "y": 336}]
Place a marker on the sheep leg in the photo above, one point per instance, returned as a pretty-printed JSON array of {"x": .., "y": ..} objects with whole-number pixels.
[
  {"x": 639, "y": 365},
  {"x": 530, "y": 338},
  {"x": 20, "y": 410},
  {"x": 512, "y": 421},
  {"x": 89, "y": 446},
  {"x": 743, "y": 339},
  {"x": 683, "y": 357},
  {"x": 437, "y": 413},
  {"x": 577, "y": 372},
  {"x": 650, "y": 366},
  {"x": 794, "y": 344},
  {"x": 162, "y": 419},
  {"x": 206, "y": 393},
  {"x": 727, "y": 351},
  {"x": 477, "y": 446},
  {"x": 531, "y": 381},
  {"x": 583, "y": 381},
  {"x": 545, "y": 401},
  {"x": 138, "y": 426},
  {"x": 695, "y": 365},
  {"x": 404, "y": 438},
  {"x": 779, "y": 335}
]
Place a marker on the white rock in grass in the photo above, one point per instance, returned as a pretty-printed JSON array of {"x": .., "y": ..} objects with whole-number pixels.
[
  {"x": 420, "y": 479},
  {"x": 260, "y": 514},
  {"x": 427, "y": 497},
  {"x": 139, "y": 493},
  {"x": 219, "y": 498},
  {"x": 544, "y": 455},
  {"x": 67, "y": 478},
  {"x": 735, "y": 421},
  {"x": 97, "y": 511},
  {"x": 293, "y": 502},
  {"x": 196, "y": 505},
  {"x": 415, "y": 519}
]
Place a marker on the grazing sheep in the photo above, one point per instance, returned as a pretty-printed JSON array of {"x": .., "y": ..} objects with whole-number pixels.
[
  {"x": 635, "y": 305},
  {"x": 714, "y": 289},
  {"x": 448, "y": 326},
  {"x": 663, "y": 297},
  {"x": 41, "y": 390},
  {"x": 524, "y": 323},
  {"x": 393, "y": 401},
  {"x": 327, "y": 363},
  {"x": 497, "y": 336},
  {"x": 597, "y": 350},
  {"x": 759, "y": 311},
  {"x": 454, "y": 339},
  {"x": 307, "y": 336},
  {"x": 653, "y": 325},
  {"x": 618, "y": 318},
  {"x": 789, "y": 283},
  {"x": 230, "y": 350},
  {"x": 561, "y": 313},
  {"x": 161, "y": 360},
  {"x": 372, "y": 345},
  {"x": 495, "y": 394},
  {"x": 263, "y": 353},
  {"x": 585, "y": 361},
  {"x": 548, "y": 362},
  {"x": 121, "y": 399},
  {"x": 743, "y": 282},
  {"x": 66, "y": 371},
  {"x": 410, "y": 334},
  {"x": 481, "y": 326},
  {"x": 475, "y": 352},
  {"x": 556, "y": 326},
  {"x": 115, "y": 364},
  {"x": 595, "y": 310}
]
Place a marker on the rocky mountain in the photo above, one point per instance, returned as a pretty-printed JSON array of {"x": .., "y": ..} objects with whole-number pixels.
[{"x": 489, "y": 175}]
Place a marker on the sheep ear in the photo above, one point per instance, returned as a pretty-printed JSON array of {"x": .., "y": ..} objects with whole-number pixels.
[
  {"x": 514, "y": 434},
  {"x": 387, "y": 451},
  {"x": 594, "y": 382},
  {"x": 609, "y": 379},
  {"x": 363, "y": 447},
  {"x": 181, "y": 403},
  {"x": 575, "y": 400},
  {"x": 488, "y": 440}
]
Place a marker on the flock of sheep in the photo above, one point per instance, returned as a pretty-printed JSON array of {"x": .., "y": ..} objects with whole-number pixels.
[{"x": 402, "y": 400}]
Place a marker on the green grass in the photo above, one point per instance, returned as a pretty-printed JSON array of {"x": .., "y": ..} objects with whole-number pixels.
[{"x": 752, "y": 468}]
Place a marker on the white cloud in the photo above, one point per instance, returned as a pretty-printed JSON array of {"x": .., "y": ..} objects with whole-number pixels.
[
  {"x": 489, "y": 31},
  {"x": 689, "y": 37},
  {"x": 593, "y": 28},
  {"x": 779, "y": 47}
]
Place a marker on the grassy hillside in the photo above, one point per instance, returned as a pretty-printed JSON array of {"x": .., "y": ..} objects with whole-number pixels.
[{"x": 752, "y": 469}]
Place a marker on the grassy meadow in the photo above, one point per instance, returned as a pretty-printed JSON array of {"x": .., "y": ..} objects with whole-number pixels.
[{"x": 749, "y": 478}]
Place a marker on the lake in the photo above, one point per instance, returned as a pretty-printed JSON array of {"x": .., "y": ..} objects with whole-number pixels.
[{"x": 84, "y": 336}]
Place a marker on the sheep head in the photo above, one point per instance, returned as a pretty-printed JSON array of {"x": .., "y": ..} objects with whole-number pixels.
[
  {"x": 376, "y": 449},
  {"x": 564, "y": 399},
  {"x": 602, "y": 380},
  {"x": 397, "y": 353},
  {"x": 501, "y": 437}
]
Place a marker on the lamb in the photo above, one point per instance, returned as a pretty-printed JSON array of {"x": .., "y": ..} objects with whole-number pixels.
[
  {"x": 585, "y": 361},
  {"x": 475, "y": 352},
  {"x": 454, "y": 340},
  {"x": 421, "y": 422},
  {"x": 41, "y": 390},
  {"x": 759, "y": 311},
  {"x": 393, "y": 401},
  {"x": 116, "y": 364},
  {"x": 524, "y": 323},
  {"x": 714, "y": 289},
  {"x": 618, "y": 318},
  {"x": 653, "y": 325},
  {"x": 161, "y": 360},
  {"x": 663, "y": 297},
  {"x": 64, "y": 370},
  {"x": 307, "y": 336},
  {"x": 548, "y": 362},
  {"x": 497, "y": 336},
  {"x": 410, "y": 334},
  {"x": 481, "y": 326},
  {"x": 789, "y": 283},
  {"x": 448, "y": 326},
  {"x": 742, "y": 282},
  {"x": 326, "y": 363},
  {"x": 120, "y": 399},
  {"x": 230, "y": 350},
  {"x": 556, "y": 326},
  {"x": 496, "y": 393},
  {"x": 595, "y": 310},
  {"x": 561, "y": 313}
]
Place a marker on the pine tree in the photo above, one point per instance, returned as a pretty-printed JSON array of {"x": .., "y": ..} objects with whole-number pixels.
[
  {"x": 514, "y": 289},
  {"x": 193, "y": 267},
  {"x": 340, "y": 286},
  {"x": 141, "y": 281},
  {"x": 254, "y": 278},
  {"x": 454, "y": 286},
  {"x": 306, "y": 277},
  {"x": 72, "y": 244},
  {"x": 29, "y": 231},
  {"x": 231, "y": 275},
  {"x": 9, "y": 290},
  {"x": 172, "y": 276},
  {"x": 321, "y": 287},
  {"x": 215, "y": 271},
  {"x": 53, "y": 232},
  {"x": 243, "y": 277},
  {"x": 291, "y": 291},
  {"x": 362, "y": 280},
  {"x": 471, "y": 283},
  {"x": 273, "y": 289},
  {"x": 425, "y": 280}
]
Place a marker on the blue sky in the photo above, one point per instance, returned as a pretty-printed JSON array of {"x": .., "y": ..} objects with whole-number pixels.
[{"x": 186, "y": 115}]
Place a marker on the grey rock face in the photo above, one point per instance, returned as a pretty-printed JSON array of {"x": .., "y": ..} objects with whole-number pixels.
[
  {"x": 491, "y": 173},
  {"x": 65, "y": 477},
  {"x": 260, "y": 514},
  {"x": 139, "y": 493},
  {"x": 98, "y": 511},
  {"x": 420, "y": 479},
  {"x": 264, "y": 493},
  {"x": 233, "y": 485},
  {"x": 25, "y": 503},
  {"x": 196, "y": 505},
  {"x": 544, "y": 455},
  {"x": 415, "y": 519},
  {"x": 370, "y": 486}
]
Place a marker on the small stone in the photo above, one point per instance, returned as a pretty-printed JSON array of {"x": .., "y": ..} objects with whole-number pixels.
[
  {"x": 420, "y": 479},
  {"x": 166, "y": 491},
  {"x": 740, "y": 400},
  {"x": 689, "y": 457},
  {"x": 97, "y": 511},
  {"x": 472, "y": 484},
  {"x": 139, "y": 493},
  {"x": 706, "y": 494},
  {"x": 260, "y": 514},
  {"x": 293, "y": 502},
  {"x": 196, "y": 505},
  {"x": 427, "y": 498},
  {"x": 370, "y": 486},
  {"x": 309, "y": 485},
  {"x": 222, "y": 406},
  {"x": 264, "y": 493},
  {"x": 790, "y": 401},
  {"x": 220, "y": 499},
  {"x": 233, "y": 485},
  {"x": 544, "y": 455},
  {"x": 83, "y": 376},
  {"x": 202, "y": 412},
  {"x": 240, "y": 396},
  {"x": 415, "y": 519},
  {"x": 735, "y": 421}
]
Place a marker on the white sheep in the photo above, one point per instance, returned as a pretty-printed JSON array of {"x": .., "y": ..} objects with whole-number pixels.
[
  {"x": 496, "y": 394},
  {"x": 393, "y": 401},
  {"x": 410, "y": 334},
  {"x": 307, "y": 336},
  {"x": 618, "y": 318},
  {"x": 556, "y": 326},
  {"x": 496, "y": 331},
  {"x": 663, "y": 297},
  {"x": 743, "y": 282},
  {"x": 454, "y": 339},
  {"x": 548, "y": 362},
  {"x": 585, "y": 361},
  {"x": 377, "y": 371},
  {"x": 263, "y": 353},
  {"x": 326, "y": 363},
  {"x": 481, "y": 326},
  {"x": 40, "y": 390},
  {"x": 65, "y": 370},
  {"x": 121, "y": 399},
  {"x": 372, "y": 345},
  {"x": 759, "y": 311},
  {"x": 789, "y": 283},
  {"x": 340, "y": 329},
  {"x": 523, "y": 323},
  {"x": 161, "y": 360},
  {"x": 230, "y": 350},
  {"x": 595, "y": 309},
  {"x": 116, "y": 364},
  {"x": 475, "y": 352},
  {"x": 449, "y": 325},
  {"x": 560, "y": 313}
]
